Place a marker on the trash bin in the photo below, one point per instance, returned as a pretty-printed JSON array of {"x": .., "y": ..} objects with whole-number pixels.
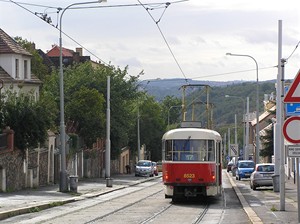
[
  {"x": 109, "y": 182},
  {"x": 275, "y": 179},
  {"x": 73, "y": 183}
]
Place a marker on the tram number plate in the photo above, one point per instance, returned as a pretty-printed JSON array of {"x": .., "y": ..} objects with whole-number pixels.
[{"x": 189, "y": 175}]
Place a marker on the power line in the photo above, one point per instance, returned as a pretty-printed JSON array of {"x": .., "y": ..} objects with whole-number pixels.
[
  {"x": 235, "y": 72},
  {"x": 24, "y": 3},
  {"x": 48, "y": 21},
  {"x": 163, "y": 36},
  {"x": 214, "y": 75},
  {"x": 292, "y": 52}
]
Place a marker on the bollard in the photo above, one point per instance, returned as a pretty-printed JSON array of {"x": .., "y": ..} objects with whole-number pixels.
[{"x": 73, "y": 183}]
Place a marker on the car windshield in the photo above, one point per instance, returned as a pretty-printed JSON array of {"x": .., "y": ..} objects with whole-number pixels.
[
  {"x": 144, "y": 163},
  {"x": 265, "y": 168},
  {"x": 153, "y": 163},
  {"x": 246, "y": 165}
]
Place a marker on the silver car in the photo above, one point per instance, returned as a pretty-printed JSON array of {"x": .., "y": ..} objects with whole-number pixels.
[
  {"x": 262, "y": 175},
  {"x": 144, "y": 168}
]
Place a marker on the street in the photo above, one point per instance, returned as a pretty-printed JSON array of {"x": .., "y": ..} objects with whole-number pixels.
[{"x": 143, "y": 203}]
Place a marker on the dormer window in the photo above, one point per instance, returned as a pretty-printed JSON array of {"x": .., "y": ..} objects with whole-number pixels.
[
  {"x": 25, "y": 69},
  {"x": 17, "y": 70}
]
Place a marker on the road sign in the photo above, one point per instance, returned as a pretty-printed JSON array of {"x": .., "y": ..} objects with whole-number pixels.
[
  {"x": 234, "y": 148},
  {"x": 293, "y": 94},
  {"x": 291, "y": 129},
  {"x": 291, "y": 109},
  {"x": 294, "y": 151}
]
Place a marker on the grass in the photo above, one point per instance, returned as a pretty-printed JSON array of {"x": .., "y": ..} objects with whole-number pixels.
[
  {"x": 34, "y": 209},
  {"x": 273, "y": 208}
]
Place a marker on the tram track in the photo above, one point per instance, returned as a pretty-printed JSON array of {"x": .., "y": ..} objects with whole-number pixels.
[{"x": 121, "y": 208}]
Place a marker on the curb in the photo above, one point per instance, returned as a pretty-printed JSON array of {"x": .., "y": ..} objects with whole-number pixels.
[
  {"x": 43, "y": 206},
  {"x": 249, "y": 211}
]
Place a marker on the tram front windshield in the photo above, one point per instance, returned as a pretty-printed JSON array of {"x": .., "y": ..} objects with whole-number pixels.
[{"x": 189, "y": 150}]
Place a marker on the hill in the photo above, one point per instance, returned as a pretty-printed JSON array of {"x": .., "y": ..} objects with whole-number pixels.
[
  {"x": 224, "y": 108},
  {"x": 160, "y": 88}
]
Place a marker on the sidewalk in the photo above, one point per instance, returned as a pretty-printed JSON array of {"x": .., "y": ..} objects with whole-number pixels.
[
  {"x": 263, "y": 205},
  {"x": 29, "y": 200}
]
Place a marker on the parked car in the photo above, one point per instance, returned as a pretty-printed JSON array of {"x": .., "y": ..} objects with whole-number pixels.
[
  {"x": 229, "y": 165},
  {"x": 244, "y": 169},
  {"x": 155, "y": 170},
  {"x": 159, "y": 166},
  {"x": 262, "y": 175},
  {"x": 144, "y": 168}
]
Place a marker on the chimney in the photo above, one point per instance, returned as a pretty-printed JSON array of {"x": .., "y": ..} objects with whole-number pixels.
[{"x": 79, "y": 50}]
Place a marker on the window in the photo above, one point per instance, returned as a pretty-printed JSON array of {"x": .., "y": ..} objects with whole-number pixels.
[
  {"x": 25, "y": 69},
  {"x": 17, "y": 68},
  {"x": 189, "y": 150}
]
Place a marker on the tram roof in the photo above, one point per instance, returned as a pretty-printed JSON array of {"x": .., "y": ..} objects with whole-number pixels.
[{"x": 192, "y": 133}]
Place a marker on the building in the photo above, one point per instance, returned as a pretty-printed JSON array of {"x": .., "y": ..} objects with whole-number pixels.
[
  {"x": 70, "y": 57},
  {"x": 15, "y": 68}
]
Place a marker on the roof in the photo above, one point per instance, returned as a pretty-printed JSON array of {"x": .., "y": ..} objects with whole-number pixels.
[
  {"x": 6, "y": 78},
  {"x": 54, "y": 52},
  {"x": 263, "y": 115},
  {"x": 9, "y": 46},
  {"x": 191, "y": 133}
]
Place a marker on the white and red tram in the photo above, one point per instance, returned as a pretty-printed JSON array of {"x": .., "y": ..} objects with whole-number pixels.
[{"x": 191, "y": 163}]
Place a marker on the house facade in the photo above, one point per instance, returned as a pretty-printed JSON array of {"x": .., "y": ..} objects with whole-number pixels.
[
  {"x": 15, "y": 68},
  {"x": 42, "y": 165}
]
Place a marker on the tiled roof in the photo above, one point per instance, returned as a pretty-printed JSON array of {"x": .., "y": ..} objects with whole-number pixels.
[
  {"x": 54, "y": 52},
  {"x": 6, "y": 78},
  {"x": 8, "y": 45}
]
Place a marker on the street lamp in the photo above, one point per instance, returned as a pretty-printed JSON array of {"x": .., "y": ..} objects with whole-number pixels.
[
  {"x": 257, "y": 104},
  {"x": 63, "y": 174}
]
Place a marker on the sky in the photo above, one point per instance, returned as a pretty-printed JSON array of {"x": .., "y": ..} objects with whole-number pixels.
[{"x": 187, "y": 39}]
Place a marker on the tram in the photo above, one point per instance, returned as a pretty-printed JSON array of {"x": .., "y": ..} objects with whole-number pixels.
[{"x": 191, "y": 163}]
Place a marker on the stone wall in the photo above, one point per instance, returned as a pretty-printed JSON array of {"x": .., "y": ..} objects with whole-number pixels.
[{"x": 12, "y": 162}]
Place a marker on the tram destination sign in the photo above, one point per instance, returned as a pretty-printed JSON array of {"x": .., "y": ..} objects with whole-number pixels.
[{"x": 294, "y": 151}]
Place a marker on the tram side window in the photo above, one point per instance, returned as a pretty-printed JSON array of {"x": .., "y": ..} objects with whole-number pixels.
[
  {"x": 211, "y": 151},
  {"x": 168, "y": 149}
]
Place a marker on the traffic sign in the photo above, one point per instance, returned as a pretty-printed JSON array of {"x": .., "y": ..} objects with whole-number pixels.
[
  {"x": 291, "y": 129},
  {"x": 234, "y": 148},
  {"x": 291, "y": 109},
  {"x": 293, "y": 94},
  {"x": 293, "y": 150}
]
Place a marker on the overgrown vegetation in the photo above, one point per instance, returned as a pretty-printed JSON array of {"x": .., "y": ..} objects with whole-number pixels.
[{"x": 85, "y": 94}]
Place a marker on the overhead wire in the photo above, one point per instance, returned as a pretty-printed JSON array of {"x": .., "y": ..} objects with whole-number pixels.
[
  {"x": 163, "y": 36},
  {"x": 154, "y": 6},
  {"x": 56, "y": 27},
  {"x": 292, "y": 52},
  {"x": 48, "y": 20}
]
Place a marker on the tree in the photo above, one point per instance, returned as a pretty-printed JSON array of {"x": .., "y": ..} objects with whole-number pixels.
[
  {"x": 85, "y": 97},
  {"x": 268, "y": 143},
  {"x": 30, "y": 120},
  {"x": 38, "y": 68},
  {"x": 85, "y": 110},
  {"x": 152, "y": 125},
  {"x": 171, "y": 110}
]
